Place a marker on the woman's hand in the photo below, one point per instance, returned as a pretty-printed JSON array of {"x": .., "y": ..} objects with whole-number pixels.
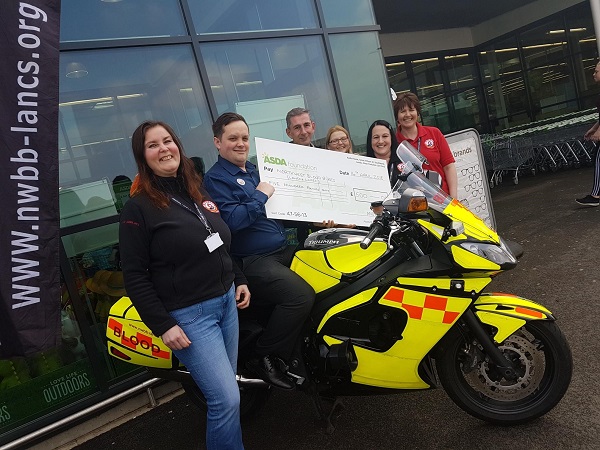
[
  {"x": 242, "y": 296},
  {"x": 175, "y": 338}
]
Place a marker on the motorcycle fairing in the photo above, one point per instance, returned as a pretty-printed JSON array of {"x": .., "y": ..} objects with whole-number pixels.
[
  {"x": 358, "y": 299},
  {"x": 429, "y": 318},
  {"x": 323, "y": 268},
  {"x": 468, "y": 260},
  {"x": 130, "y": 340},
  {"x": 507, "y": 313},
  {"x": 312, "y": 266}
]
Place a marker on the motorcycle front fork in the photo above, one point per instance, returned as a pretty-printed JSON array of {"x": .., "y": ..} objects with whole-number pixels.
[{"x": 505, "y": 366}]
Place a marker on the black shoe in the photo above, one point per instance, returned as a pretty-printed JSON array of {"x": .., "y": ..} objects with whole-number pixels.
[
  {"x": 268, "y": 371},
  {"x": 588, "y": 200}
]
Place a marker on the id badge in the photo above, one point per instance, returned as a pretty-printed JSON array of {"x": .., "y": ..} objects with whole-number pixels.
[{"x": 213, "y": 242}]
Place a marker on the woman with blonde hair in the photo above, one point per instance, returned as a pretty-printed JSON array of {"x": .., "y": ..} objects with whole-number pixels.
[{"x": 338, "y": 139}]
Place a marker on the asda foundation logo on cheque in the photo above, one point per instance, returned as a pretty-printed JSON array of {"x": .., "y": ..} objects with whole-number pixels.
[{"x": 273, "y": 160}]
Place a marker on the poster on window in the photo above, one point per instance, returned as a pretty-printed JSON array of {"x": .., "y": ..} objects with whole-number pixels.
[{"x": 29, "y": 227}]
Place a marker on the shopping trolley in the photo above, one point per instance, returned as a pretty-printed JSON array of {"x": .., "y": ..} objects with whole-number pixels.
[{"x": 508, "y": 155}]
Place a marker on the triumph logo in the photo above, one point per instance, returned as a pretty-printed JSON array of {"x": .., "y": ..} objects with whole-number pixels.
[{"x": 322, "y": 242}]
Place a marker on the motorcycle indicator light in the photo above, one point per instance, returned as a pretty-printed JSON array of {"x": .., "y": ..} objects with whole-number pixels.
[{"x": 417, "y": 204}]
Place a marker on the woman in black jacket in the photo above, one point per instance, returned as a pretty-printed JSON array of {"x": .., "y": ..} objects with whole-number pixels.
[{"x": 174, "y": 250}]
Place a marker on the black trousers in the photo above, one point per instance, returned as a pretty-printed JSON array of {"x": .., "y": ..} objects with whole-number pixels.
[{"x": 274, "y": 286}]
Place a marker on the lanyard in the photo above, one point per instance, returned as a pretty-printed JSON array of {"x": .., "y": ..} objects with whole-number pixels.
[{"x": 198, "y": 214}]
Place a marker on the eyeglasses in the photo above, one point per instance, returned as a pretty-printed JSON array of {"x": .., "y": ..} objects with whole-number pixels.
[
  {"x": 469, "y": 170},
  {"x": 473, "y": 186},
  {"x": 338, "y": 140}
]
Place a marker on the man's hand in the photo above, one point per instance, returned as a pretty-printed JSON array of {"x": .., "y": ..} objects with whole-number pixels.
[
  {"x": 265, "y": 188},
  {"x": 175, "y": 338},
  {"x": 332, "y": 224},
  {"x": 242, "y": 296}
]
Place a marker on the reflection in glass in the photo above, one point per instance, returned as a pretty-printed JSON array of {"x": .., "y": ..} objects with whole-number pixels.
[
  {"x": 116, "y": 20},
  {"x": 550, "y": 86},
  {"x": 466, "y": 109},
  {"x": 398, "y": 77},
  {"x": 544, "y": 44},
  {"x": 461, "y": 70},
  {"x": 232, "y": 16},
  {"x": 263, "y": 79},
  {"x": 507, "y": 102},
  {"x": 124, "y": 87},
  {"x": 348, "y": 13},
  {"x": 501, "y": 58},
  {"x": 357, "y": 58}
]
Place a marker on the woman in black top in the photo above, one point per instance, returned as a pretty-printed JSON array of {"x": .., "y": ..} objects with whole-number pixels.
[
  {"x": 179, "y": 275},
  {"x": 382, "y": 144}
]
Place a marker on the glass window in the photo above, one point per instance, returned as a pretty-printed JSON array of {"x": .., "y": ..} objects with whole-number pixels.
[
  {"x": 582, "y": 44},
  {"x": 33, "y": 386},
  {"x": 461, "y": 71},
  {"x": 550, "y": 85},
  {"x": 120, "y": 88},
  {"x": 544, "y": 44},
  {"x": 435, "y": 112},
  {"x": 357, "y": 58},
  {"x": 347, "y": 13},
  {"x": 501, "y": 58},
  {"x": 428, "y": 77},
  {"x": 115, "y": 19},
  {"x": 507, "y": 102},
  {"x": 398, "y": 77},
  {"x": 430, "y": 90},
  {"x": 466, "y": 109},
  {"x": 264, "y": 79},
  {"x": 232, "y": 16}
]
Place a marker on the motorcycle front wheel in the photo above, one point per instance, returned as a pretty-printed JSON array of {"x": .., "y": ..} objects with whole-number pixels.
[
  {"x": 542, "y": 358},
  {"x": 251, "y": 399}
]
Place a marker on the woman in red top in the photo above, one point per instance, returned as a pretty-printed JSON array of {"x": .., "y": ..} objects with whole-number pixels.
[{"x": 429, "y": 141}]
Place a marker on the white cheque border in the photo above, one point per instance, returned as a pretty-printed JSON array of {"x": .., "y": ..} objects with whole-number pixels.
[{"x": 313, "y": 184}]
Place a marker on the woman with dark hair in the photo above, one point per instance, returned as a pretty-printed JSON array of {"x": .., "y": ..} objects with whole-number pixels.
[
  {"x": 382, "y": 144},
  {"x": 179, "y": 275},
  {"x": 429, "y": 141}
]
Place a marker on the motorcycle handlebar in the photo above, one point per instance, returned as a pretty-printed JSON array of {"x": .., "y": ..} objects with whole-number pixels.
[{"x": 376, "y": 229}]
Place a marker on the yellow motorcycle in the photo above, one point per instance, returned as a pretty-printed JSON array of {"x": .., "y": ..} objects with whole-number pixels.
[{"x": 400, "y": 306}]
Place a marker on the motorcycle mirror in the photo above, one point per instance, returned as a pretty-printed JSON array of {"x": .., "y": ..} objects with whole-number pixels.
[
  {"x": 434, "y": 177},
  {"x": 411, "y": 201},
  {"x": 454, "y": 229}
]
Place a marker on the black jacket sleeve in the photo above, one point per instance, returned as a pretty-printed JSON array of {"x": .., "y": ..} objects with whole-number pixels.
[{"x": 134, "y": 243}]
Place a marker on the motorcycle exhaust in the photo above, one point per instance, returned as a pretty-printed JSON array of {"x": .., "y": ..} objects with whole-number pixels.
[{"x": 341, "y": 357}]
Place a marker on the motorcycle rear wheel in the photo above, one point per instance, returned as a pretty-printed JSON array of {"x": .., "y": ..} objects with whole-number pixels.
[
  {"x": 251, "y": 399},
  {"x": 543, "y": 361}
]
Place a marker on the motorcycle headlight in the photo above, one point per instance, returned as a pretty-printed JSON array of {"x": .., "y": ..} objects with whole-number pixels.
[{"x": 498, "y": 254}]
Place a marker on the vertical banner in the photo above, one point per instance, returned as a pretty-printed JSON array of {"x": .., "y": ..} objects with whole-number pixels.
[{"x": 29, "y": 226}]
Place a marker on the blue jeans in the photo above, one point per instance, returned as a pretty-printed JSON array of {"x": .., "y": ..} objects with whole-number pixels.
[{"x": 212, "y": 327}]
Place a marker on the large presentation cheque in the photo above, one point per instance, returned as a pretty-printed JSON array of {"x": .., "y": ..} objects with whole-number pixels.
[{"x": 313, "y": 184}]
